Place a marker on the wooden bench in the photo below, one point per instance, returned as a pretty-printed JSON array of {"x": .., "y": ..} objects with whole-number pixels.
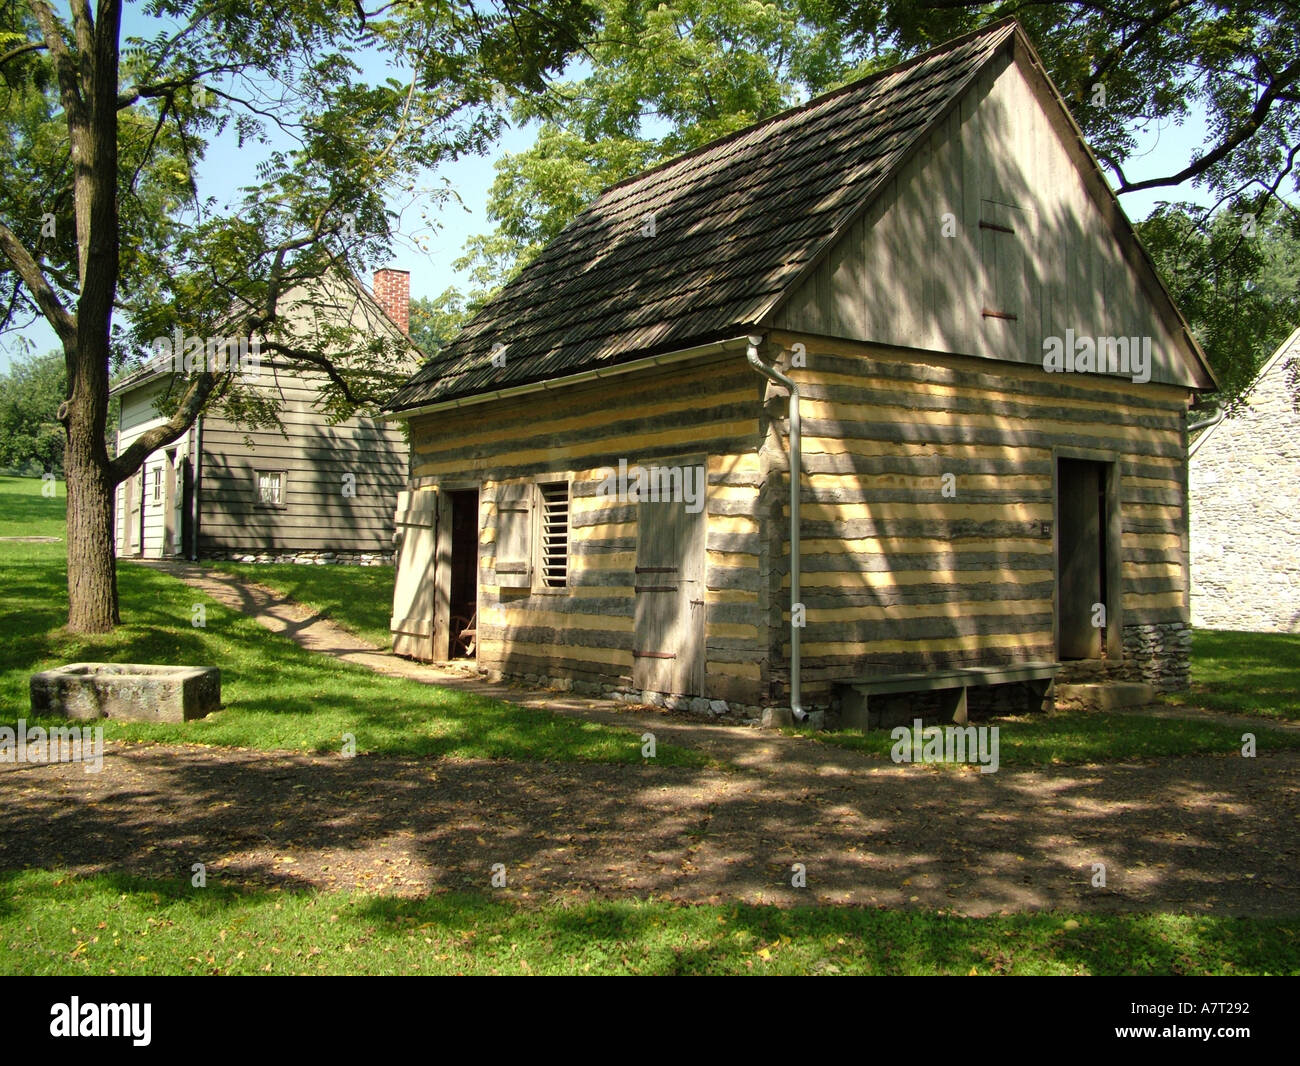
[{"x": 855, "y": 695}]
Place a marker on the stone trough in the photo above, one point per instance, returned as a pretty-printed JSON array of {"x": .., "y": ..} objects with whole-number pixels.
[{"x": 140, "y": 692}]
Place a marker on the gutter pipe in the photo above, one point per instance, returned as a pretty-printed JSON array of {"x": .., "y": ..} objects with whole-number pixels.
[
  {"x": 1213, "y": 420},
  {"x": 796, "y": 470}
]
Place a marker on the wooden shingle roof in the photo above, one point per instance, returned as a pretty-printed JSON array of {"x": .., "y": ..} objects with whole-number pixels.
[{"x": 735, "y": 225}]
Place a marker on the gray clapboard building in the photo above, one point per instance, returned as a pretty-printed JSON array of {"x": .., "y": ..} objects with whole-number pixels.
[
  {"x": 989, "y": 427},
  {"x": 317, "y": 492}
]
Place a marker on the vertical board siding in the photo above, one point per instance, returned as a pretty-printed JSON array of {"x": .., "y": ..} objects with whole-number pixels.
[
  {"x": 910, "y": 272},
  {"x": 586, "y": 632}
]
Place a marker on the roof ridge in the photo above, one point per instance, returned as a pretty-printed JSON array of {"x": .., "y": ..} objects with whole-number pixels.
[
  {"x": 783, "y": 187},
  {"x": 1007, "y": 23}
]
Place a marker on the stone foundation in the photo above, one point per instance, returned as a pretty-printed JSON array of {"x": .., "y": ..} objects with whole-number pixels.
[
  {"x": 1161, "y": 654},
  {"x": 305, "y": 558},
  {"x": 727, "y": 711}
]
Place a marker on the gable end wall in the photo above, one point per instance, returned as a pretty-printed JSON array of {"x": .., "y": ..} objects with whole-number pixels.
[{"x": 1245, "y": 529}]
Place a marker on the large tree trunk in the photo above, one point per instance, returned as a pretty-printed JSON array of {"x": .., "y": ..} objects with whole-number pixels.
[
  {"x": 92, "y": 568},
  {"x": 92, "y": 128}
]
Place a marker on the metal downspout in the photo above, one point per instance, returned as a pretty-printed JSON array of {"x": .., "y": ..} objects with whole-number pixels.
[
  {"x": 796, "y": 470},
  {"x": 1213, "y": 420}
]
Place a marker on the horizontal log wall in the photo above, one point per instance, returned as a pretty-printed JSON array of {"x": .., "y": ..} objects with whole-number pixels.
[
  {"x": 585, "y": 632},
  {"x": 315, "y": 458},
  {"x": 896, "y": 576}
]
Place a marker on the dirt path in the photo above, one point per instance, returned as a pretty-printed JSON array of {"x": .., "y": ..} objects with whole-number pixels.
[
  {"x": 1207, "y": 835},
  {"x": 1200, "y": 835},
  {"x": 309, "y": 630}
]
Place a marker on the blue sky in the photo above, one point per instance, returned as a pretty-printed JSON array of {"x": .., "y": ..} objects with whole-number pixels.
[{"x": 1161, "y": 150}]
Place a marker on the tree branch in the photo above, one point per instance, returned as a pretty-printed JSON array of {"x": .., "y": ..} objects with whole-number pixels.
[
  {"x": 14, "y": 53},
  {"x": 65, "y": 325},
  {"x": 355, "y": 398},
  {"x": 151, "y": 440}
]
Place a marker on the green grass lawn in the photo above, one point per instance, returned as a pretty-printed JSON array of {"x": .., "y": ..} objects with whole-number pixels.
[
  {"x": 1074, "y": 737},
  {"x": 54, "y": 923},
  {"x": 25, "y": 511},
  {"x": 356, "y": 598},
  {"x": 277, "y": 695},
  {"x": 281, "y": 697},
  {"x": 1245, "y": 673}
]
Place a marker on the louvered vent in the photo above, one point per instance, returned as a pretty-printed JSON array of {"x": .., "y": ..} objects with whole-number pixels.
[{"x": 555, "y": 535}]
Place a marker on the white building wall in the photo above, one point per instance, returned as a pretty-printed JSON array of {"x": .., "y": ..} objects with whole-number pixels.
[{"x": 1245, "y": 524}]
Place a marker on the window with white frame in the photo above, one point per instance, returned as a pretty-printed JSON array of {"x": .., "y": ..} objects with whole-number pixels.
[{"x": 270, "y": 488}]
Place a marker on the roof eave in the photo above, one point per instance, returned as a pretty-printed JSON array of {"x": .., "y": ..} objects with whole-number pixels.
[{"x": 698, "y": 351}]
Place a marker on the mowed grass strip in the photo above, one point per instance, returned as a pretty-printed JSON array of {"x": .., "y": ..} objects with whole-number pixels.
[
  {"x": 54, "y": 923},
  {"x": 1244, "y": 673},
  {"x": 277, "y": 696},
  {"x": 356, "y": 598},
  {"x": 1080, "y": 737}
]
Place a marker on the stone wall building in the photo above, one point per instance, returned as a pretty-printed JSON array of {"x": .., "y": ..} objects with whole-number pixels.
[{"x": 1245, "y": 529}]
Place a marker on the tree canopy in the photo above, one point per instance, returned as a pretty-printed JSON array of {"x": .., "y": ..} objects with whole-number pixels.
[
  {"x": 105, "y": 232},
  {"x": 664, "y": 76}
]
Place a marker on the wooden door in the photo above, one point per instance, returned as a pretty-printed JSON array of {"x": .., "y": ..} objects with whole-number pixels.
[
  {"x": 1006, "y": 309},
  {"x": 1081, "y": 565},
  {"x": 668, "y": 638},
  {"x": 412, "y": 623},
  {"x": 171, "y": 527},
  {"x": 134, "y": 512},
  {"x": 187, "y": 547}
]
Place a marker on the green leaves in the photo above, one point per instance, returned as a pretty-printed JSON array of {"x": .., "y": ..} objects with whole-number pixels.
[
  {"x": 1236, "y": 278},
  {"x": 661, "y": 78}
]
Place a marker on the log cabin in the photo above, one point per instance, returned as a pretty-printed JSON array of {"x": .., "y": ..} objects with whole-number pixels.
[
  {"x": 314, "y": 493},
  {"x": 917, "y": 292}
]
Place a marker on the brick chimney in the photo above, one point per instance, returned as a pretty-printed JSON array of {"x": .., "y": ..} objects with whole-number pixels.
[{"x": 393, "y": 294}]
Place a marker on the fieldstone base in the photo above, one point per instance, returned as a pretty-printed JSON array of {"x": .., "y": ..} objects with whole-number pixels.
[
  {"x": 705, "y": 708},
  {"x": 305, "y": 558},
  {"x": 1161, "y": 654}
]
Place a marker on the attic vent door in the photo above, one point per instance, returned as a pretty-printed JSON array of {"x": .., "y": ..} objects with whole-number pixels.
[
  {"x": 1006, "y": 311},
  {"x": 668, "y": 639}
]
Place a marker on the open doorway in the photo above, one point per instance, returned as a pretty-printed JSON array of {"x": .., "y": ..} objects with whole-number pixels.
[
  {"x": 463, "y": 592},
  {"x": 1087, "y": 562}
]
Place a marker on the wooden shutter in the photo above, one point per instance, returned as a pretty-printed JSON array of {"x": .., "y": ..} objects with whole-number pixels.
[
  {"x": 413, "y": 587},
  {"x": 514, "y": 561}
]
